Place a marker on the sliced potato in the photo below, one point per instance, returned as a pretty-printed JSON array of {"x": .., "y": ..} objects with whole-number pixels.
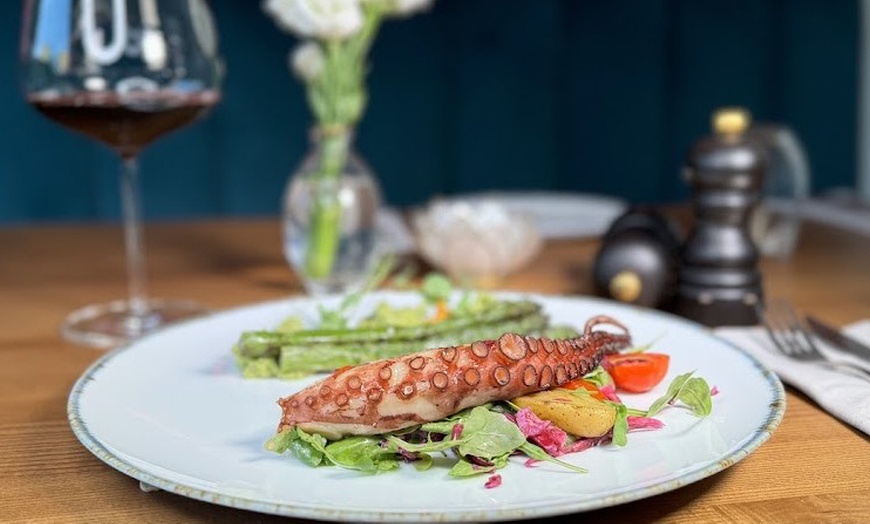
[{"x": 577, "y": 414}]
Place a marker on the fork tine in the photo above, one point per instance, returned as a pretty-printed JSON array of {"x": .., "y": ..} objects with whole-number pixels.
[
  {"x": 791, "y": 337},
  {"x": 803, "y": 340},
  {"x": 793, "y": 329},
  {"x": 800, "y": 333},
  {"x": 788, "y": 332},
  {"x": 771, "y": 324}
]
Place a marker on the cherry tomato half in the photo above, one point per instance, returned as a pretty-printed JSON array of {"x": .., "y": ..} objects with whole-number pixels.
[
  {"x": 579, "y": 383},
  {"x": 637, "y": 372}
]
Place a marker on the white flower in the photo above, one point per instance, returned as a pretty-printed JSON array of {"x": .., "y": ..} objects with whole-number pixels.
[
  {"x": 307, "y": 61},
  {"x": 328, "y": 19}
]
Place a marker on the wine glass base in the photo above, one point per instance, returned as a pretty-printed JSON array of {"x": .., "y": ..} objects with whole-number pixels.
[{"x": 114, "y": 324}]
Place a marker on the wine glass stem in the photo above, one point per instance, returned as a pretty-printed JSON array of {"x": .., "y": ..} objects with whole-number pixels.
[{"x": 133, "y": 241}]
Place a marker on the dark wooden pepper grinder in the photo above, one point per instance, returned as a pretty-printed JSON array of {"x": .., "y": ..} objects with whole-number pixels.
[{"x": 718, "y": 281}]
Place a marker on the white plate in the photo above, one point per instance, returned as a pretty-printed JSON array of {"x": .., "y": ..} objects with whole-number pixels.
[
  {"x": 171, "y": 411},
  {"x": 557, "y": 214}
]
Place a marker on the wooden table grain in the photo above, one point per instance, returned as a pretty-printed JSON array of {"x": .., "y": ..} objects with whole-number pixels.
[{"x": 814, "y": 468}]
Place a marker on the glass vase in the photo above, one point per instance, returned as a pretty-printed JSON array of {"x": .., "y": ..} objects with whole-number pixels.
[{"x": 330, "y": 210}]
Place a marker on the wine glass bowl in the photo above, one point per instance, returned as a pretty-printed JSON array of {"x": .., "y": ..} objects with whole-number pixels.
[{"x": 123, "y": 73}]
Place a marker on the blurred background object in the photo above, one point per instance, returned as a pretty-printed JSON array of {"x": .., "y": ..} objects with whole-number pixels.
[
  {"x": 776, "y": 223},
  {"x": 123, "y": 74},
  {"x": 599, "y": 96},
  {"x": 475, "y": 241},
  {"x": 718, "y": 280},
  {"x": 556, "y": 214},
  {"x": 637, "y": 260},
  {"x": 333, "y": 199}
]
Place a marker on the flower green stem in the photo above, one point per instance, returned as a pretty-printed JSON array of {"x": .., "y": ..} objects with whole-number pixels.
[
  {"x": 323, "y": 241},
  {"x": 337, "y": 99}
]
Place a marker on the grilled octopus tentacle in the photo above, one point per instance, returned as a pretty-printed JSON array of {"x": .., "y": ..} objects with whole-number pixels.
[{"x": 391, "y": 394}]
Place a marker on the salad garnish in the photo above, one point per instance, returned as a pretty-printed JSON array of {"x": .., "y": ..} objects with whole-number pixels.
[
  {"x": 299, "y": 347},
  {"x": 482, "y": 439}
]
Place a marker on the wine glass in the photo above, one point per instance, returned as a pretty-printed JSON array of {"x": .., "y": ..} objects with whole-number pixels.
[{"x": 124, "y": 73}]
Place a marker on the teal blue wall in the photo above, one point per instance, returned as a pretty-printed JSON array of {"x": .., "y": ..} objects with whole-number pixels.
[{"x": 585, "y": 95}]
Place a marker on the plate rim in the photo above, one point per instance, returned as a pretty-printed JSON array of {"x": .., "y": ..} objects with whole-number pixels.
[{"x": 148, "y": 481}]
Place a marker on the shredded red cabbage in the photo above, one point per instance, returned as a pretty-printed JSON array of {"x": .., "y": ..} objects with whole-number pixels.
[
  {"x": 408, "y": 456},
  {"x": 583, "y": 444},
  {"x": 479, "y": 461},
  {"x": 541, "y": 432},
  {"x": 550, "y": 437},
  {"x": 457, "y": 432},
  {"x": 493, "y": 482},
  {"x": 644, "y": 423}
]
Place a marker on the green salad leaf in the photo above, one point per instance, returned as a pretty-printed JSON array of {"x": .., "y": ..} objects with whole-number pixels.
[
  {"x": 362, "y": 453},
  {"x": 484, "y": 444},
  {"x": 386, "y": 315},
  {"x": 310, "y": 449},
  {"x": 487, "y": 434},
  {"x": 696, "y": 395},
  {"x": 445, "y": 427},
  {"x": 291, "y": 324},
  {"x": 436, "y": 287},
  {"x": 465, "y": 468},
  {"x": 599, "y": 376},
  {"x": 263, "y": 367},
  {"x": 536, "y": 452},
  {"x": 424, "y": 461},
  {"x": 471, "y": 304},
  {"x": 338, "y": 318},
  {"x": 620, "y": 425},
  {"x": 424, "y": 447},
  {"x": 691, "y": 391}
]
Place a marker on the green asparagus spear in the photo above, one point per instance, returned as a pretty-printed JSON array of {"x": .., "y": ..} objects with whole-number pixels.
[
  {"x": 256, "y": 344},
  {"x": 300, "y": 353},
  {"x": 301, "y": 360}
]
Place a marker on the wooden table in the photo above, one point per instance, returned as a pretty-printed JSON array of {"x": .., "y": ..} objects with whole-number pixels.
[{"x": 813, "y": 468}]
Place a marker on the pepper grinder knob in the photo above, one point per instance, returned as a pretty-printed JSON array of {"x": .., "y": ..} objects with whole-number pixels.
[
  {"x": 731, "y": 122},
  {"x": 718, "y": 280}
]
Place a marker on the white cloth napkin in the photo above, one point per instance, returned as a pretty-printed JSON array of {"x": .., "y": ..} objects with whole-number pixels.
[{"x": 843, "y": 393}]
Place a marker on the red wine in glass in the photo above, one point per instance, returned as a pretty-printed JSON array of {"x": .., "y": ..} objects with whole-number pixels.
[
  {"x": 125, "y": 123},
  {"x": 124, "y": 73}
]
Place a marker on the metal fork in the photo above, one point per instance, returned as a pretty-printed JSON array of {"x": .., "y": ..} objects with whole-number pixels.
[
  {"x": 787, "y": 332},
  {"x": 791, "y": 337}
]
